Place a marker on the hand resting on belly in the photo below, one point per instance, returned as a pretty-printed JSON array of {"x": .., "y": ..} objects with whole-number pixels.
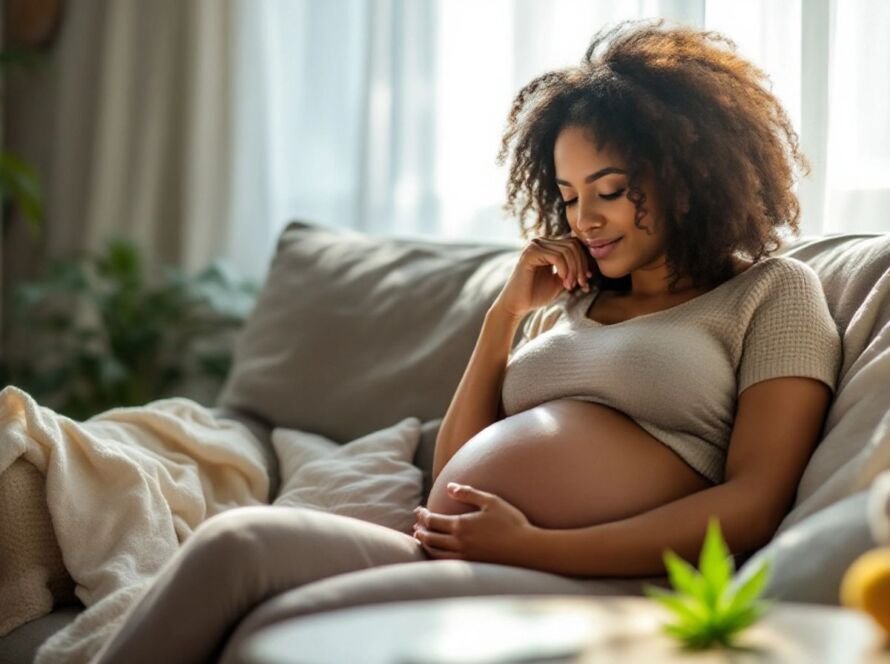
[{"x": 568, "y": 464}]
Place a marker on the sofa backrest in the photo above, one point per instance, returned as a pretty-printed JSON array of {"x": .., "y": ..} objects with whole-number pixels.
[
  {"x": 353, "y": 333},
  {"x": 855, "y": 275},
  {"x": 849, "y": 266}
]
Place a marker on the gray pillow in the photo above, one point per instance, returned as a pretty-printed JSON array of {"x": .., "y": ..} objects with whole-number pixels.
[
  {"x": 848, "y": 264},
  {"x": 352, "y": 332},
  {"x": 855, "y": 274},
  {"x": 809, "y": 559}
]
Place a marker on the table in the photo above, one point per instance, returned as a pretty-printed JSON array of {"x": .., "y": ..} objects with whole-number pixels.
[{"x": 556, "y": 628}]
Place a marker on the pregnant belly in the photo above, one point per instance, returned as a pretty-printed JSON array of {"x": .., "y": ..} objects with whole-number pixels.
[{"x": 567, "y": 464}]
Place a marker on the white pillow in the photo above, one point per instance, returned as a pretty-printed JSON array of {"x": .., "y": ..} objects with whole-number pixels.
[{"x": 372, "y": 478}]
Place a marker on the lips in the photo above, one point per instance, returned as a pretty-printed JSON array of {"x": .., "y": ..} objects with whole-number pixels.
[
  {"x": 602, "y": 248},
  {"x": 596, "y": 244}
]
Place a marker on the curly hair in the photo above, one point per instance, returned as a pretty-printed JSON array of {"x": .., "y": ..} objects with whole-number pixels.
[{"x": 680, "y": 104}]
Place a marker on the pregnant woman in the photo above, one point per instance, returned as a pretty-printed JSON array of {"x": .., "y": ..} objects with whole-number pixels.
[{"x": 670, "y": 369}]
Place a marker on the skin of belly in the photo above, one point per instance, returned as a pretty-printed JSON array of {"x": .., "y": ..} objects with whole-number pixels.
[{"x": 568, "y": 464}]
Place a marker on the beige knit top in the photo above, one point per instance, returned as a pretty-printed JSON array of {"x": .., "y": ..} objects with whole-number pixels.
[{"x": 678, "y": 372}]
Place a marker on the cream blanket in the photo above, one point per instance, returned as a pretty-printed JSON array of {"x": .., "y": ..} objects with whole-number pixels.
[{"x": 124, "y": 490}]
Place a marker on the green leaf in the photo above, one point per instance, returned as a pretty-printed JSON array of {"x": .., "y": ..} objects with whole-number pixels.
[
  {"x": 684, "y": 576},
  {"x": 21, "y": 58},
  {"x": 691, "y": 637},
  {"x": 739, "y": 619},
  {"x": 683, "y": 606},
  {"x": 745, "y": 593},
  {"x": 715, "y": 563},
  {"x": 709, "y": 608},
  {"x": 138, "y": 337},
  {"x": 19, "y": 182},
  {"x": 121, "y": 263}
]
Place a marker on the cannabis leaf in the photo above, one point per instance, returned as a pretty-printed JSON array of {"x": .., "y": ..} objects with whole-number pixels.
[{"x": 710, "y": 609}]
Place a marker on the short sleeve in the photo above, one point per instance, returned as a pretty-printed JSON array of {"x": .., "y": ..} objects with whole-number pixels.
[{"x": 791, "y": 331}]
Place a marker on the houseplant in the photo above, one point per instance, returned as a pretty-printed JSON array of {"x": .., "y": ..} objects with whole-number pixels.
[
  {"x": 18, "y": 181},
  {"x": 101, "y": 333},
  {"x": 710, "y": 607}
]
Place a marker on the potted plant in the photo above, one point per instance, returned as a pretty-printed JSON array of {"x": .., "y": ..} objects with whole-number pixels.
[
  {"x": 102, "y": 334},
  {"x": 710, "y": 609}
]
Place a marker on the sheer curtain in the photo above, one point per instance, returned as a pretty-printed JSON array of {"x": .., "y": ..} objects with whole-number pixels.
[{"x": 385, "y": 116}]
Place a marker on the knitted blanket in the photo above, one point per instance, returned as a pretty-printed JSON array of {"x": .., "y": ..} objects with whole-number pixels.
[{"x": 124, "y": 489}]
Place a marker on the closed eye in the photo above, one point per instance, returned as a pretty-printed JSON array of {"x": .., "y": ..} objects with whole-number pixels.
[
  {"x": 607, "y": 197},
  {"x": 612, "y": 196}
]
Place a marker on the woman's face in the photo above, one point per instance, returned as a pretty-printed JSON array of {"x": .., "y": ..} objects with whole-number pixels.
[{"x": 593, "y": 186}]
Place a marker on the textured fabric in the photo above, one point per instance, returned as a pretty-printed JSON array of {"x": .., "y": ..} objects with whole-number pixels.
[
  {"x": 426, "y": 450},
  {"x": 21, "y": 645},
  {"x": 351, "y": 332},
  {"x": 855, "y": 275},
  {"x": 32, "y": 574},
  {"x": 678, "y": 372},
  {"x": 808, "y": 562},
  {"x": 372, "y": 478},
  {"x": 240, "y": 560},
  {"x": 879, "y": 506},
  {"x": 124, "y": 489},
  {"x": 236, "y": 560}
]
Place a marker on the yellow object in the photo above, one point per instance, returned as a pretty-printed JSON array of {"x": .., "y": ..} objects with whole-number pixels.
[{"x": 866, "y": 585}]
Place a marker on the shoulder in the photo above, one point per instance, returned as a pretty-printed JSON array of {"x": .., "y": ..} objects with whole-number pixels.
[
  {"x": 785, "y": 278},
  {"x": 786, "y": 297},
  {"x": 790, "y": 330},
  {"x": 786, "y": 268}
]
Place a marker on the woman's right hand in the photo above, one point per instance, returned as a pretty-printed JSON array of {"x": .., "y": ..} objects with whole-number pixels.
[{"x": 545, "y": 268}]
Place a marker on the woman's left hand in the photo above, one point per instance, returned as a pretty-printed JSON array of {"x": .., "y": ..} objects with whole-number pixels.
[{"x": 497, "y": 532}]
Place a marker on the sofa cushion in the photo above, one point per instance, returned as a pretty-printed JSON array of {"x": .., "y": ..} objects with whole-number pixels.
[
  {"x": 426, "y": 449},
  {"x": 855, "y": 275},
  {"x": 352, "y": 332},
  {"x": 371, "y": 478},
  {"x": 849, "y": 265},
  {"x": 21, "y": 645},
  {"x": 808, "y": 560}
]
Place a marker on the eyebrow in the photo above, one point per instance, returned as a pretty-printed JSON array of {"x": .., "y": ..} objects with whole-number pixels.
[{"x": 594, "y": 176}]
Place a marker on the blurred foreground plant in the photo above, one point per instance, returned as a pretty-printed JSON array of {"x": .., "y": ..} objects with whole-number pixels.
[
  {"x": 710, "y": 609},
  {"x": 102, "y": 336}
]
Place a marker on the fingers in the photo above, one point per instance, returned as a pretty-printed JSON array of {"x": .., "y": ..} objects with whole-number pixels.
[
  {"x": 444, "y": 523},
  {"x": 580, "y": 266},
  {"x": 565, "y": 255},
  {"x": 441, "y": 553},
  {"x": 437, "y": 540}
]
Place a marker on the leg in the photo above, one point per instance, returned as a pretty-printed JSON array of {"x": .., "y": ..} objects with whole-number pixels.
[
  {"x": 236, "y": 560},
  {"x": 431, "y": 579}
]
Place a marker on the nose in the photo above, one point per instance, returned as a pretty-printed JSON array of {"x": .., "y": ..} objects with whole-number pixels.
[{"x": 589, "y": 217}]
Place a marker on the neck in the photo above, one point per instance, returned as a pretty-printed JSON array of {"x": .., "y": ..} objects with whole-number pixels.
[{"x": 650, "y": 282}]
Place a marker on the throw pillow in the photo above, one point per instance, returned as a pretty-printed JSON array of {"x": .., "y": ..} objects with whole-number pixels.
[
  {"x": 386, "y": 324},
  {"x": 371, "y": 478},
  {"x": 808, "y": 561},
  {"x": 33, "y": 577}
]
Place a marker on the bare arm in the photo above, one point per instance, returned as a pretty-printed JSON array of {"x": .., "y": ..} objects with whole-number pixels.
[
  {"x": 777, "y": 425},
  {"x": 477, "y": 401}
]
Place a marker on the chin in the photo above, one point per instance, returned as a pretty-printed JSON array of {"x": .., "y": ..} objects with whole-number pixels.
[{"x": 613, "y": 271}]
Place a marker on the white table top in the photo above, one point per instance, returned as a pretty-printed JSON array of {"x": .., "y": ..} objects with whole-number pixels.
[{"x": 556, "y": 628}]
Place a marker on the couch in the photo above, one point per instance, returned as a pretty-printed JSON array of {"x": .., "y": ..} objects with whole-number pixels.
[{"x": 352, "y": 333}]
